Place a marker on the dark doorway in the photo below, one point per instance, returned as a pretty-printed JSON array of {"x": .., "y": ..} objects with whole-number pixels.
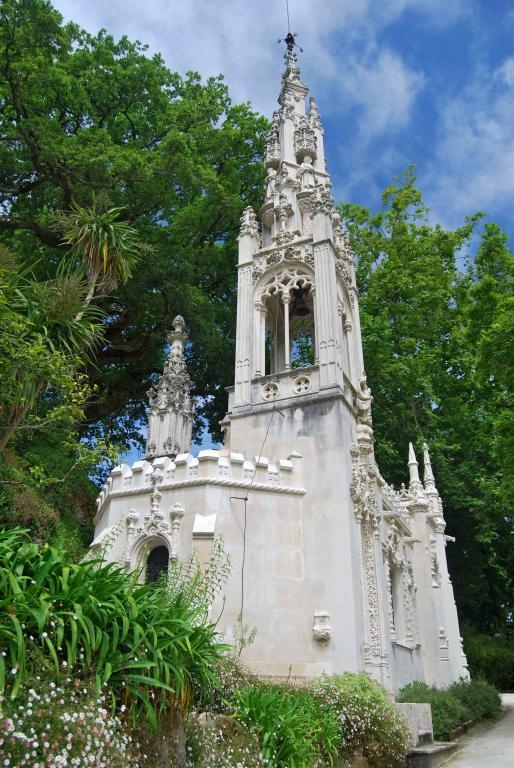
[{"x": 157, "y": 563}]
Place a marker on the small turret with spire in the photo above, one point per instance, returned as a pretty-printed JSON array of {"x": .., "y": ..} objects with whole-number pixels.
[{"x": 170, "y": 417}]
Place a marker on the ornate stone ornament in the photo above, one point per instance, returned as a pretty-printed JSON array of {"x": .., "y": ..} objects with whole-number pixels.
[
  {"x": 304, "y": 140},
  {"x": 321, "y": 629},
  {"x": 249, "y": 223},
  {"x": 269, "y": 391},
  {"x": 170, "y": 417},
  {"x": 302, "y": 384}
]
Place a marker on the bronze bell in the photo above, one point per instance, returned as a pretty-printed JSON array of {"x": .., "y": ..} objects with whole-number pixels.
[{"x": 300, "y": 306}]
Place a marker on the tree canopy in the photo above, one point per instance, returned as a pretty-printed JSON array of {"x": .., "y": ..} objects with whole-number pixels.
[
  {"x": 439, "y": 360},
  {"x": 86, "y": 117}
]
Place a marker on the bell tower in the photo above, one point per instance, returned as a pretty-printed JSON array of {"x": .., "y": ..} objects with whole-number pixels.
[
  {"x": 298, "y": 329},
  {"x": 300, "y": 392}
]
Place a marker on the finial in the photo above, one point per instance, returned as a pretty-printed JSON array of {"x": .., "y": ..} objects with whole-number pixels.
[
  {"x": 413, "y": 467},
  {"x": 428, "y": 475},
  {"x": 290, "y": 41}
]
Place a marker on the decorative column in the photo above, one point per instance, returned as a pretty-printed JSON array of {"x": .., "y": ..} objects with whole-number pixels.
[
  {"x": 286, "y": 300},
  {"x": 249, "y": 242},
  {"x": 177, "y": 513},
  {"x": 261, "y": 312}
]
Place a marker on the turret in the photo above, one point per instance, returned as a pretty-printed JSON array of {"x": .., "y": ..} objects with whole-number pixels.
[{"x": 170, "y": 416}]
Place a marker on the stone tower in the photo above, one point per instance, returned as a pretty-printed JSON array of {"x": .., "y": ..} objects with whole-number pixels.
[{"x": 297, "y": 304}]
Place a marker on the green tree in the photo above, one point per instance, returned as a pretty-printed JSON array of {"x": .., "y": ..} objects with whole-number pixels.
[
  {"x": 429, "y": 330},
  {"x": 171, "y": 154}
]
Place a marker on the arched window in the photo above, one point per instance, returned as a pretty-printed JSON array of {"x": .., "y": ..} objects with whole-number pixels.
[
  {"x": 287, "y": 325},
  {"x": 157, "y": 563}
]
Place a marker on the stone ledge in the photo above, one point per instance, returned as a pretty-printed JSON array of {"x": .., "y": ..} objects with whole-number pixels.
[{"x": 431, "y": 755}]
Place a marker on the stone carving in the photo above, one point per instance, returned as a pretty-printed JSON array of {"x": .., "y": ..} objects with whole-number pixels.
[
  {"x": 306, "y": 173},
  {"x": 374, "y": 646},
  {"x": 362, "y": 491},
  {"x": 314, "y": 116},
  {"x": 249, "y": 225},
  {"x": 273, "y": 142},
  {"x": 304, "y": 140},
  {"x": 292, "y": 70},
  {"x": 321, "y": 629},
  {"x": 170, "y": 418},
  {"x": 177, "y": 513},
  {"x": 285, "y": 236},
  {"x": 411, "y": 615},
  {"x": 434, "y": 565},
  {"x": 271, "y": 180},
  {"x": 269, "y": 391},
  {"x": 301, "y": 384},
  {"x": 443, "y": 644},
  {"x": 364, "y": 401},
  {"x": 322, "y": 201},
  {"x": 286, "y": 282},
  {"x": 288, "y": 252}
]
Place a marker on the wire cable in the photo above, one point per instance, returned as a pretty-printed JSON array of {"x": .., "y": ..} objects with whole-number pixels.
[{"x": 245, "y": 520}]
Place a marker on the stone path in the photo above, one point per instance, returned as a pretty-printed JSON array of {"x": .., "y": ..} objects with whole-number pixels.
[{"x": 493, "y": 747}]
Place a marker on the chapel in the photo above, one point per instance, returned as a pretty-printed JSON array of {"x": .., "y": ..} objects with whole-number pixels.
[{"x": 332, "y": 569}]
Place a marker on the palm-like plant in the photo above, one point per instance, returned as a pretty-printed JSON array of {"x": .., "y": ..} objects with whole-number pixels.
[
  {"x": 47, "y": 331},
  {"x": 103, "y": 245}
]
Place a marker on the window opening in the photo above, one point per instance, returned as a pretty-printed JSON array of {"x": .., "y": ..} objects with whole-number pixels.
[{"x": 157, "y": 563}]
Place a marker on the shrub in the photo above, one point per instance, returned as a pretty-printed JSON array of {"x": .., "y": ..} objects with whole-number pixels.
[
  {"x": 480, "y": 698},
  {"x": 447, "y": 711},
  {"x": 369, "y": 721},
  {"x": 294, "y": 730},
  {"x": 231, "y": 676}
]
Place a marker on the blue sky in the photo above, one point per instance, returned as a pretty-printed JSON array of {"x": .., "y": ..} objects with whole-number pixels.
[{"x": 429, "y": 82}]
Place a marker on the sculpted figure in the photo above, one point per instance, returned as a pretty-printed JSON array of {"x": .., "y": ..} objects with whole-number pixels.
[{"x": 364, "y": 400}]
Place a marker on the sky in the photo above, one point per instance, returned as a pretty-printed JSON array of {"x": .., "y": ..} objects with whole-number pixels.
[{"x": 397, "y": 82}]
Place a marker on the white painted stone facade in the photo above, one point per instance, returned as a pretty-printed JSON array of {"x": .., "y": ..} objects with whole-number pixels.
[{"x": 334, "y": 569}]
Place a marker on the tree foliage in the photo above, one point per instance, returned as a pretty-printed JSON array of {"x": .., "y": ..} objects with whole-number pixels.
[
  {"x": 170, "y": 154},
  {"x": 439, "y": 363}
]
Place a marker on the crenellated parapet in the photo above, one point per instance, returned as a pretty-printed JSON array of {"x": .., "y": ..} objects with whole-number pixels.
[{"x": 210, "y": 467}]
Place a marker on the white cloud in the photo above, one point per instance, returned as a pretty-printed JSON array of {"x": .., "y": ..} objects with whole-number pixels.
[
  {"x": 438, "y": 13},
  {"x": 239, "y": 39},
  {"x": 506, "y": 71},
  {"x": 473, "y": 166},
  {"x": 385, "y": 89}
]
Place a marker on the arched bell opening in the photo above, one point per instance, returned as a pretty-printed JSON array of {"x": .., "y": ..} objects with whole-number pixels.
[
  {"x": 301, "y": 328},
  {"x": 289, "y": 330},
  {"x": 284, "y": 322},
  {"x": 157, "y": 563}
]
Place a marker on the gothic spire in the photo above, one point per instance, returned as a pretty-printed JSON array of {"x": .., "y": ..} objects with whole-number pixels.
[
  {"x": 170, "y": 417},
  {"x": 428, "y": 475},
  {"x": 414, "y": 481}
]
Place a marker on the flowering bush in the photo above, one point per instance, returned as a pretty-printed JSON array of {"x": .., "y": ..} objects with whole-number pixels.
[
  {"x": 57, "y": 726},
  {"x": 370, "y": 723},
  {"x": 222, "y": 742}
]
